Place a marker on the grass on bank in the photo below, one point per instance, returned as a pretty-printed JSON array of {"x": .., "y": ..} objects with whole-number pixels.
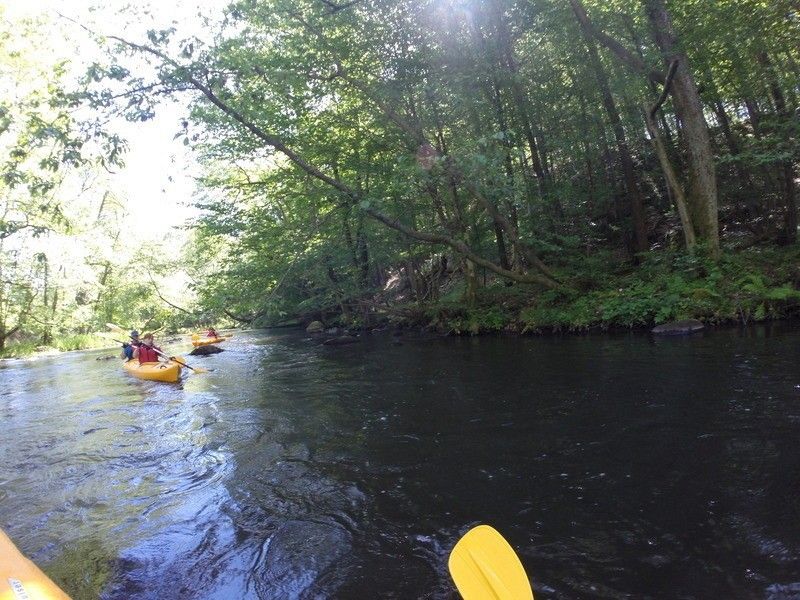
[
  {"x": 754, "y": 285},
  {"x": 65, "y": 343}
]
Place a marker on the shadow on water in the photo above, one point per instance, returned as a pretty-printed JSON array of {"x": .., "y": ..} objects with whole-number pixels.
[{"x": 618, "y": 466}]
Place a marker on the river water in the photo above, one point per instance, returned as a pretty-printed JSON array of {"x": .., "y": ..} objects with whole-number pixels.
[{"x": 617, "y": 466}]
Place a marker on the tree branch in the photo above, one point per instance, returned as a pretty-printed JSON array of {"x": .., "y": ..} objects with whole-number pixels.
[
  {"x": 349, "y": 193},
  {"x": 462, "y": 248},
  {"x": 419, "y": 139},
  {"x": 337, "y": 7},
  {"x": 631, "y": 60},
  {"x": 158, "y": 293},
  {"x": 673, "y": 66}
]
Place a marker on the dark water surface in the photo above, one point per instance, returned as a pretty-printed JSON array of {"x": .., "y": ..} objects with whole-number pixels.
[{"x": 617, "y": 467}]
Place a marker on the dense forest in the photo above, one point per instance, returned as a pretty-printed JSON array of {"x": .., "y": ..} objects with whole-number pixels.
[{"x": 471, "y": 165}]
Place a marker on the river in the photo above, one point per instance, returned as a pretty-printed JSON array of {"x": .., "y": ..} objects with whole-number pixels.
[{"x": 617, "y": 466}]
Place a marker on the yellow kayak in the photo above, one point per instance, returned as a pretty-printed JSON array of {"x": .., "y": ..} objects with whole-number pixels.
[
  {"x": 20, "y": 578},
  {"x": 154, "y": 371},
  {"x": 201, "y": 341}
]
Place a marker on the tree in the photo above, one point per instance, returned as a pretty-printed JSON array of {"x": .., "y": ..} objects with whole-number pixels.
[
  {"x": 379, "y": 140},
  {"x": 702, "y": 194}
]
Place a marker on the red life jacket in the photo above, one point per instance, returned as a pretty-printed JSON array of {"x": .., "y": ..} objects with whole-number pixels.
[{"x": 147, "y": 354}]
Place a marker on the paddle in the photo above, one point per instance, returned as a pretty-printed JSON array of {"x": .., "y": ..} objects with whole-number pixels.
[
  {"x": 180, "y": 362},
  {"x": 177, "y": 360},
  {"x": 485, "y": 567}
]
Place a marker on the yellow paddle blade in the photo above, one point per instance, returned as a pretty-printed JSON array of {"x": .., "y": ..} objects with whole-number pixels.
[{"x": 485, "y": 567}]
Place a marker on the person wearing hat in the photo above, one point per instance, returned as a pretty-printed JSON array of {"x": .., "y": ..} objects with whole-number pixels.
[{"x": 127, "y": 349}]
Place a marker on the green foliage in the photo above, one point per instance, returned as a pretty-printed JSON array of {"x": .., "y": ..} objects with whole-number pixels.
[
  {"x": 80, "y": 342},
  {"x": 753, "y": 285},
  {"x": 460, "y": 320},
  {"x": 327, "y": 134},
  {"x": 65, "y": 268},
  {"x": 495, "y": 309},
  {"x": 19, "y": 349},
  {"x": 64, "y": 343}
]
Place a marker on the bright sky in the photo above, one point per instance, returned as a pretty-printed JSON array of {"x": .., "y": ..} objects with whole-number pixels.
[
  {"x": 157, "y": 175},
  {"x": 157, "y": 178}
]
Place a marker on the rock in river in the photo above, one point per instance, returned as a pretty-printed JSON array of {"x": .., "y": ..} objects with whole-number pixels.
[
  {"x": 206, "y": 350},
  {"x": 678, "y": 327},
  {"x": 341, "y": 340},
  {"x": 315, "y": 327}
]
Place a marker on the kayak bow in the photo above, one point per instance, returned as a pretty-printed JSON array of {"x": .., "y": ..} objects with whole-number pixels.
[
  {"x": 20, "y": 578},
  {"x": 154, "y": 371}
]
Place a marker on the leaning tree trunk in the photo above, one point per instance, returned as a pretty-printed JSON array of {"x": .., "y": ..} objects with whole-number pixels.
[
  {"x": 673, "y": 182},
  {"x": 702, "y": 192}
]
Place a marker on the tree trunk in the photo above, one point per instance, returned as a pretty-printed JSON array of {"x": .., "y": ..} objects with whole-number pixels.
[
  {"x": 630, "y": 25},
  {"x": 702, "y": 194},
  {"x": 503, "y": 127},
  {"x": 672, "y": 181},
  {"x": 629, "y": 177},
  {"x": 786, "y": 167},
  {"x": 362, "y": 253},
  {"x": 470, "y": 283},
  {"x": 521, "y": 104}
]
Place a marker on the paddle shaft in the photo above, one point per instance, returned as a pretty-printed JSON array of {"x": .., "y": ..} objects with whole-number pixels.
[{"x": 180, "y": 362}]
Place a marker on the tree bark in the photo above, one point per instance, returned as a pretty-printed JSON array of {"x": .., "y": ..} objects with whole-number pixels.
[
  {"x": 702, "y": 194},
  {"x": 672, "y": 181}
]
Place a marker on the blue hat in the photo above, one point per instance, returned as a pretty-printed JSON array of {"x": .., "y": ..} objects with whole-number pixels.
[{"x": 134, "y": 334}]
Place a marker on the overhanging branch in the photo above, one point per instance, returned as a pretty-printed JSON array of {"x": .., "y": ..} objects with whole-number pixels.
[{"x": 349, "y": 194}]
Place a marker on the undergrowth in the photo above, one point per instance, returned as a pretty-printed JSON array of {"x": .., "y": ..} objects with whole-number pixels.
[{"x": 756, "y": 285}]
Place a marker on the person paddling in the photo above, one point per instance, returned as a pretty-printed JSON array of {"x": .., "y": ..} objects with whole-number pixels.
[
  {"x": 211, "y": 333},
  {"x": 128, "y": 348},
  {"x": 147, "y": 351}
]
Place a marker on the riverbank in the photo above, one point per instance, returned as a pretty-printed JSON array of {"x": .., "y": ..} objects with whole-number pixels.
[
  {"x": 75, "y": 343},
  {"x": 599, "y": 294},
  {"x": 67, "y": 343},
  {"x": 755, "y": 285}
]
